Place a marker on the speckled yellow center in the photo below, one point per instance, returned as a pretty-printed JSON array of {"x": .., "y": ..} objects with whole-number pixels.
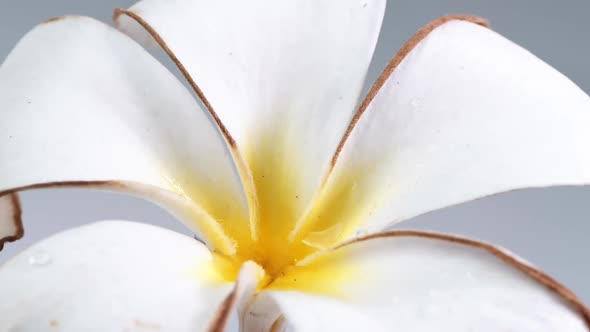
[{"x": 277, "y": 247}]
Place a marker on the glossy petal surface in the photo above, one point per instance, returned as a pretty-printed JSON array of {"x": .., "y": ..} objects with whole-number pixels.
[
  {"x": 111, "y": 276},
  {"x": 82, "y": 104},
  {"x": 283, "y": 76},
  {"x": 300, "y": 312},
  {"x": 466, "y": 114},
  {"x": 411, "y": 281}
]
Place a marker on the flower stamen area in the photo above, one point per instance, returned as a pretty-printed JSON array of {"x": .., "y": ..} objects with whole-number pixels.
[{"x": 277, "y": 248}]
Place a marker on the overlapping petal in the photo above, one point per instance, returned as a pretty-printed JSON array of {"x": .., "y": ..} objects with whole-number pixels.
[
  {"x": 298, "y": 312},
  {"x": 283, "y": 76},
  {"x": 115, "y": 276},
  {"x": 459, "y": 114},
  {"x": 83, "y": 104},
  {"x": 10, "y": 214},
  {"x": 411, "y": 281}
]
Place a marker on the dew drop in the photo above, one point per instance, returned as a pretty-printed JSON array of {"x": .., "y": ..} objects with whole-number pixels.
[
  {"x": 415, "y": 102},
  {"x": 39, "y": 259}
]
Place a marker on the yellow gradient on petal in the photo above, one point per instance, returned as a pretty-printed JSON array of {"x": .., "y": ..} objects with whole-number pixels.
[
  {"x": 325, "y": 238},
  {"x": 339, "y": 210},
  {"x": 270, "y": 158},
  {"x": 221, "y": 218},
  {"x": 221, "y": 270},
  {"x": 329, "y": 273},
  {"x": 268, "y": 236}
]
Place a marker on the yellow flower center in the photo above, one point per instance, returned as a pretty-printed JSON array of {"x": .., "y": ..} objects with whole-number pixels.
[{"x": 286, "y": 230}]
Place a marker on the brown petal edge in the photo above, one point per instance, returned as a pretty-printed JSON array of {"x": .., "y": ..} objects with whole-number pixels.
[
  {"x": 161, "y": 196},
  {"x": 144, "y": 24},
  {"x": 17, "y": 210},
  {"x": 244, "y": 289},
  {"x": 241, "y": 164},
  {"x": 278, "y": 325},
  {"x": 224, "y": 312},
  {"x": 534, "y": 273},
  {"x": 60, "y": 18},
  {"x": 16, "y": 219},
  {"x": 393, "y": 64}
]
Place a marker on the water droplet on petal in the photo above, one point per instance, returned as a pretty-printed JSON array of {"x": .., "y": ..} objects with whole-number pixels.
[
  {"x": 40, "y": 258},
  {"x": 415, "y": 102}
]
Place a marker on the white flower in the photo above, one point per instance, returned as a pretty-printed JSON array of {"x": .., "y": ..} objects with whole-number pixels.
[{"x": 287, "y": 183}]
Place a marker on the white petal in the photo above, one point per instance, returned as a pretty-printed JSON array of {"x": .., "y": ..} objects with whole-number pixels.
[
  {"x": 10, "y": 214},
  {"x": 411, "y": 281},
  {"x": 114, "y": 276},
  {"x": 299, "y": 312},
  {"x": 466, "y": 114},
  {"x": 283, "y": 76},
  {"x": 262, "y": 314},
  {"x": 83, "y": 104}
]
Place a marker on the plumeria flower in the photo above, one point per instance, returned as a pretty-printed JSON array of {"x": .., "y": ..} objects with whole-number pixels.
[{"x": 288, "y": 183}]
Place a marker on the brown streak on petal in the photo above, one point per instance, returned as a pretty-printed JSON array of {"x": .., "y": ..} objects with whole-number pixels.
[
  {"x": 241, "y": 164},
  {"x": 17, "y": 220},
  {"x": 389, "y": 69},
  {"x": 54, "y": 19},
  {"x": 118, "y": 12},
  {"x": 536, "y": 274},
  {"x": 60, "y": 18},
  {"x": 278, "y": 324},
  {"x": 116, "y": 184},
  {"x": 17, "y": 213},
  {"x": 223, "y": 313}
]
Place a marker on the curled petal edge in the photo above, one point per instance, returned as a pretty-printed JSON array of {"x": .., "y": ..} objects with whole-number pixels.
[
  {"x": 16, "y": 211},
  {"x": 534, "y": 273},
  {"x": 390, "y": 68}
]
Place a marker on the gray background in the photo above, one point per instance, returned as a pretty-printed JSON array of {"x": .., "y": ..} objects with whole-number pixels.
[{"x": 548, "y": 227}]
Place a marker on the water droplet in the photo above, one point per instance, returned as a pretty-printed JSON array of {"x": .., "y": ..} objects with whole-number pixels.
[
  {"x": 415, "y": 102},
  {"x": 39, "y": 259}
]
